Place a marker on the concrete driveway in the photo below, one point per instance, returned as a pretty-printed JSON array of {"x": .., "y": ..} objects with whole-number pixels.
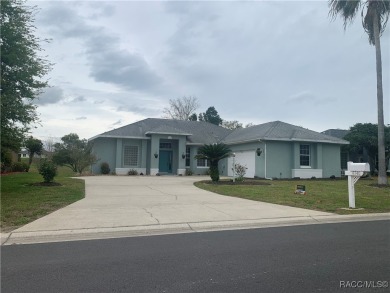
[{"x": 117, "y": 206}]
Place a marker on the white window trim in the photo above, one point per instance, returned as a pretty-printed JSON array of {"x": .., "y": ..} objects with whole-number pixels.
[
  {"x": 305, "y": 166},
  {"x": 203, "y": 167}
]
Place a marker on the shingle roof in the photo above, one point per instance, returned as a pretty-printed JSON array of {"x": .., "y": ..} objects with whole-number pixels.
[
  {"x": 340, "y": 133},
  {"x": 278, "y": 130},
  {"x": 199, "y": 132}
]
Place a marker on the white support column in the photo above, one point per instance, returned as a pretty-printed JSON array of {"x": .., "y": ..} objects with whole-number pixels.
[{"x": 355, "y": 171}]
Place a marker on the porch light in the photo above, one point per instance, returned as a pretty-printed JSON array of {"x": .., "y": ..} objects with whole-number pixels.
[
  {"x": 156, "y": 155},
  {"x": 183, "y": 155},
  {"x": 259, "y": 151}
]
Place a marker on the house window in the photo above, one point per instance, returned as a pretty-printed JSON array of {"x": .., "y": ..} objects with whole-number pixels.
[
  {"x": 165, "y": 145},
  {"x": 130, "y": 155},
  {"x": 203, "y": 163},
  {"x": 304, "y": 155},
  {"x": 188, "y": 157}
]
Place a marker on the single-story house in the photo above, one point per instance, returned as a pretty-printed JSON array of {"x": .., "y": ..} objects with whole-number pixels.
[{"x": 270, "y": 150}]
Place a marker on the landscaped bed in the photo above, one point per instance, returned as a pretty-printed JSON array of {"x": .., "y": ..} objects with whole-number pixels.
[
  {"x": 25, "y": 198},
  {"x": 321, "y": 194}
]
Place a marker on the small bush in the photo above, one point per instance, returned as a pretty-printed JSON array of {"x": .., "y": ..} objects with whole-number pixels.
[
  {"x": 48, "y": 170},
  {"x": 105, "y": 168},
  {"x": 240, "y": 171},
  {"x": 132, "y": 172},
  {"x": 332, "y": 177},
  {"x": 208, "y": 172},
  {"x": 313, "y": 177},
  {"x": 19, "y": 167},
  {"x": 189, "y": 172}
]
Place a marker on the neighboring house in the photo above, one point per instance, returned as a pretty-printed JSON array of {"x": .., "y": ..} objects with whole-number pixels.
[
  {"x": 23, "y": 153},
  {"x": 270, "y": 150}
]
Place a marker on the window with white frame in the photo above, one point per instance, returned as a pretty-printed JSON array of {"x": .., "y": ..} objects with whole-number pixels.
[
  {"x": 304, "y": 155},
  {"x": 203, "y": 163},
  {"x": 130, "y": 155},
  {"x": 188, "y": 156}
]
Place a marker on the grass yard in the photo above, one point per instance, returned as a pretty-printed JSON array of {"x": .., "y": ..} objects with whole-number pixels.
[
  {"x": 322, "y": 195},
  {"x": 22, "y": 203}
]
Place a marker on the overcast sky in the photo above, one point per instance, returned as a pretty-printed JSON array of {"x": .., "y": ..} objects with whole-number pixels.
[{"x": 119, "y": 62}]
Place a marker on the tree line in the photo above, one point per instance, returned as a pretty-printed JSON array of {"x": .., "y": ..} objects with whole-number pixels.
[{"x": 185, "y": 108}]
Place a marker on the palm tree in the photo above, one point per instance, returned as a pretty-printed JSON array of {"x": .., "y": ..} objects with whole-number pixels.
[
  {"x": 213, "y": 153},
  {"x": 375, "y": 14}
]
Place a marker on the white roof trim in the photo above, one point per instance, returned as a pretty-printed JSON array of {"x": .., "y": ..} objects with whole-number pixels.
[
  {"x": 167, "y": 133},
  {"x": 287, "y": 140},
  {"x": 118, "y": 136}
]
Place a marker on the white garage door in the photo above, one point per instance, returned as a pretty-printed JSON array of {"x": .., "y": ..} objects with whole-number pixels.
[{"x": 245, "y": 158}]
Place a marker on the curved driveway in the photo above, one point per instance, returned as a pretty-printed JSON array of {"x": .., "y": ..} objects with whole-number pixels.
[{"x": 141, "y": 201}]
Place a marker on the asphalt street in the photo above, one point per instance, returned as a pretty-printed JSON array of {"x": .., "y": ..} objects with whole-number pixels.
[{"x": 345, "y": 257}]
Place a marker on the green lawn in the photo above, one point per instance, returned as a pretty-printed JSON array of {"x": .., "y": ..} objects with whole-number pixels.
[
  {"x": 22, "y": 203},
  {"x": 322, "y": 195}
]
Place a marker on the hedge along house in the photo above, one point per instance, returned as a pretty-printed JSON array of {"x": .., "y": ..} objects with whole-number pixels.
[{"x": 270, "y": 150}]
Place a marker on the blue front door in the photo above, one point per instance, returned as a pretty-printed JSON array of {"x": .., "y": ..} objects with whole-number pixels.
[{"x": 165, "y": 162}]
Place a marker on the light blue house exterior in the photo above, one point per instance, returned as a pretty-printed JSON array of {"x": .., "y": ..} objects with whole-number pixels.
[{"x": 271, "y": 150}]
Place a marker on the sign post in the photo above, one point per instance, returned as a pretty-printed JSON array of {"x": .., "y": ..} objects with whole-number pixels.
[{"x": 354, "y": 172}]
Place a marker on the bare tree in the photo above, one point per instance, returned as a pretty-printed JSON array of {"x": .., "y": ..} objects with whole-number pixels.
[
  {"x": 181, "y": 108},
  {"x": 49, "y": 144},
  {"x": 231, "y": 124}
]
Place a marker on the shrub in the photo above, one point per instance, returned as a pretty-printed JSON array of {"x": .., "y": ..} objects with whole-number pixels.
[
  {"x": 332, "y": 177},
  {"x": 6, "y": 160},
  {"x": 19, "y": 167},
  {"x": 48, "y": 170},
  {"x": 132, "y": 172},
  {"x": 105, "y": 168},
  {"x": 240, "y": 171},
  {"x": 189, "y": 172},
  {"x": 208, "y": 172}
]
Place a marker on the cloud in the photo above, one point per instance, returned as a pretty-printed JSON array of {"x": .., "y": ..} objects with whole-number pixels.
[
  {"x": 119, "y": 122},
  {"x": 307, "y": 97},
  {"x": 145, "y": 111},
  {"x": 81, "y": 118},
  {"x": 50, "y": 95},
  {"x": 79, "y": 99},
  {"x": 106, "y": 60}
]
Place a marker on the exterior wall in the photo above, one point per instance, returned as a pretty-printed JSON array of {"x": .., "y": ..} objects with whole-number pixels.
[
  {"x": 316, "y": 167},
  {"x": 278, "y": 160},
  {"x": 105, "y": 150},
  {"x": 279, "y": 156},
  {"x": 331, "y": 160}
]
